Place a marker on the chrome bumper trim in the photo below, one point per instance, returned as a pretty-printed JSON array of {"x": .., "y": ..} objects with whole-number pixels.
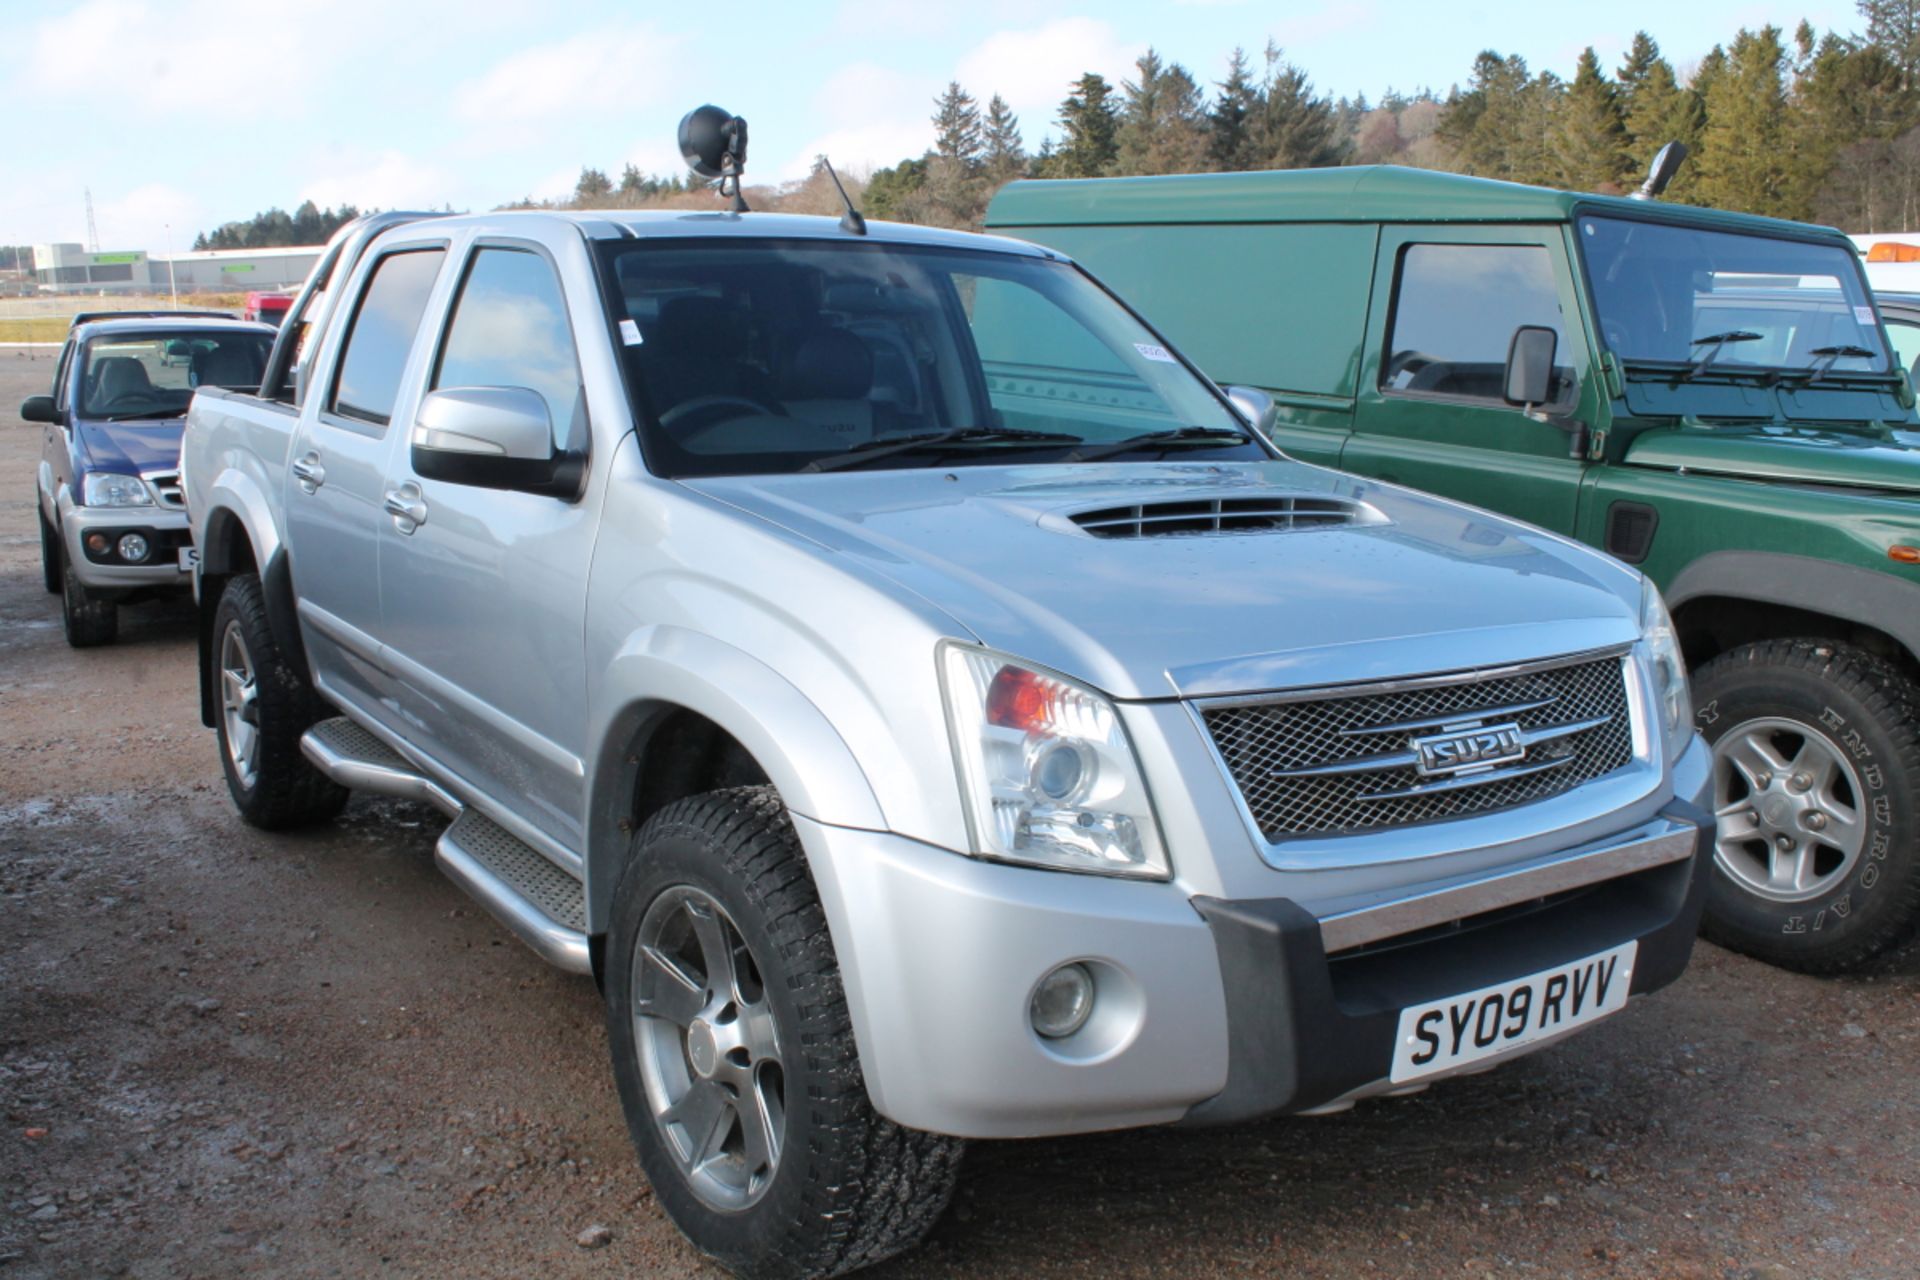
[{"x": 1345, "y": 930}]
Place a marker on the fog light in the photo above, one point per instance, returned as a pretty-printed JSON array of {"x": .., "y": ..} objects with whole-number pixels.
[
  {"x": 98, "y": 543},
  {"x": 1062, "y": 1001},
  {"x": 133, "y": 547}
]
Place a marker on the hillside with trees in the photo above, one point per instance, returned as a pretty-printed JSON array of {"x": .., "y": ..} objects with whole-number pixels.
[{"x": 276, "y": 228}]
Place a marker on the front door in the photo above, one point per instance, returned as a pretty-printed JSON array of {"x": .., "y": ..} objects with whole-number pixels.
[
  {"x": 485, "y": 593},
  {"x": 336, "y": 474},
  {"x": 1432, "y": 411}
]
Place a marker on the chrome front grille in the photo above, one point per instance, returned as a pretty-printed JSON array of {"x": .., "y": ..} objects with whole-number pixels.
[
  {"x": 1334, "y": 764},
  {"x": 166, "y": 487}
]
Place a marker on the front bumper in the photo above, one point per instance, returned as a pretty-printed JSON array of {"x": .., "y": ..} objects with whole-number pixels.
[
  {"x": 1206, "y": 1011},
  {"x": 166, "y": 531}
]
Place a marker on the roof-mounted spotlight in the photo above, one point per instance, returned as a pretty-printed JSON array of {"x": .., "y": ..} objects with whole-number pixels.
[{"x": 714, "y": 144}]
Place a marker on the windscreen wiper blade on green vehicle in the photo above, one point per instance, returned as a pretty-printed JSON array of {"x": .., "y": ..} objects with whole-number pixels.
[
  {"x": 1175, "y": 437},
  {"x": 1719, "y": 342},
  {"x": 1825, "y": 359},
  {"x": 879, "y": 449}
]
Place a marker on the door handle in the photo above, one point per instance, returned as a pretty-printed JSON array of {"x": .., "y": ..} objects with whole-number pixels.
[
  {"x": 308, "y": 472},
  {"x": 407, "y": 507}
]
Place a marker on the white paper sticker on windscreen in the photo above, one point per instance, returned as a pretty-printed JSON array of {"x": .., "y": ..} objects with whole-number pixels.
[
  {"x": 1865, "y": 316},
  {"x": 1152, "y": 352},
  {"x": 630, "y": 333}
]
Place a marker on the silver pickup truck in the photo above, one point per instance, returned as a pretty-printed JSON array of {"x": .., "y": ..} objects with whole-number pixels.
[{"x": 924, "y": 703}]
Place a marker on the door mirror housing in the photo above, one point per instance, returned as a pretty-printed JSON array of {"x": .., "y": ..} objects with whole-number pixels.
[
  {"x": 1256, "y": 406},
  {"x": 492, "y": 438},
  {"x": 39, "y": 409},
  {"x": 1530, "y": 365}
]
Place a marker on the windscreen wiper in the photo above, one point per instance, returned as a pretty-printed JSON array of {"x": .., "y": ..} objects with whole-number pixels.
[
  {"x": 1827, "y": 358},
  {"x": 1719, "y": 341},
  {"x": 1176, "y": 437},
  {"x": 879, "y": 449}
]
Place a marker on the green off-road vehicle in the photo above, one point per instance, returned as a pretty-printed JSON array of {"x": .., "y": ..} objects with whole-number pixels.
[{"x": 1709, "y": 396}]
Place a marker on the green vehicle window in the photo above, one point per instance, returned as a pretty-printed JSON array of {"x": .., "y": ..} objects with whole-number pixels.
[
  {"x": 1455, "y": 310},
  {"x": 1906, "y": 343}
]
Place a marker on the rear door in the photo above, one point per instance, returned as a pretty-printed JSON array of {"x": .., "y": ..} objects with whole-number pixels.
[
  {"x": 1431, "y": 411},
  {"x": 337, "y": 467},
  {"x": 485, "y": 595}
]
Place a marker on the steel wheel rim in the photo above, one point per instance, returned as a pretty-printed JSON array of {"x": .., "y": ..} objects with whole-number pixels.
[
  {"x": 239, "y": 705},
  {"x": 1789, "y": 826},
  {"x": 709, "y": 1048}
]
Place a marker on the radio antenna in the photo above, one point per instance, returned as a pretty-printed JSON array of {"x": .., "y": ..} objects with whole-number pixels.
[{"x": 850, "y": 222}]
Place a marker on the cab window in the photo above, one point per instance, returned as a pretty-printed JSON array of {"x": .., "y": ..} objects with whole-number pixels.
[
  {"x": 382, "y": 333},
  {"x": 1455, "y": 310},
  {"x": 1906, "y": 343},
  {"x": 510, "y": 329}
]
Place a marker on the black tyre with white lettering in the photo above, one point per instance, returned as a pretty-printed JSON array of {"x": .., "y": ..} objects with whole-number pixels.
[
  {"x": 1816, "y": 791},
  {"x": 734, "y": 1054}
]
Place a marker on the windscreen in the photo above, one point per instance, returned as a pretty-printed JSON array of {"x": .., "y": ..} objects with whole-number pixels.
[
  {"x": 1672, "y": 295},
  {"x": 153, "y": 375},
  {"x": 768, "y": 356}
]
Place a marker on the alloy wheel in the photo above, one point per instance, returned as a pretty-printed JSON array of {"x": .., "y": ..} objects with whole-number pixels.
[{"x": 1787, "y": 808}]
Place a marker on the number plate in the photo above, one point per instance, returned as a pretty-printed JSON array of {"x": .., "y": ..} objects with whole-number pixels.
[
  {"x": 1479, "y": 1024},
  {"x": 189, "y": 559}
]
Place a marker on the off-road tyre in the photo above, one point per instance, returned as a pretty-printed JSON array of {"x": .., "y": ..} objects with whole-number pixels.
[
  {"x": 50, "y": 553},
  {"x": 89, "y": 617},
  {"x": 286, "y": 790},
  {"x": 851, "y": 1188},
  {"x": 1871, "y": 710}
]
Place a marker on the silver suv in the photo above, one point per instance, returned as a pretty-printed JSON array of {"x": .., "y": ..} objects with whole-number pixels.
[{"x": 928, "y": 707}]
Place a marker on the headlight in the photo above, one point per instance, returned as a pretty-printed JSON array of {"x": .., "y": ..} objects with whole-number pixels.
[
  {"x": 110, "y": 489},
  {"x": 1670, "y": 692},
  {"x": 1046, "y": 771}
]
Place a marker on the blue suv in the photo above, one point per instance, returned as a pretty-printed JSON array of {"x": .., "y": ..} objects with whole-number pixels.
[{"x": 113, "y": 525}]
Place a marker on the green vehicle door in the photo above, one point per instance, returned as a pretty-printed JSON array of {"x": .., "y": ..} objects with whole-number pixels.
[{"x": 1432, "y": 411}]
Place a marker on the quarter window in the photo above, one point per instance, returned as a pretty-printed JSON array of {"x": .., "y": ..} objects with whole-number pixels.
[
  {"x": 1455, "y": 310},
  {"x": 510, "y": 329},
  {"x": 382, "y": 335}
]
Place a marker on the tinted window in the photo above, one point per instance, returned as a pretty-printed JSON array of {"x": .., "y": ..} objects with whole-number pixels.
[
  {"x": 1455, "y": 309},
  {"x": 510, "y": 330},
  {"x": 382, "y": 334},
  {"x": 1906, "y": 342},
  {"x": 1666, "y": 294},
  {"x": 770, "y": 356},
  {"x": 153, "y": 375}
]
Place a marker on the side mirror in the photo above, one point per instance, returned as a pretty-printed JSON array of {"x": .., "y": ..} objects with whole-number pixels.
[
  {"x": 1530, "y": 365},
  {"x": 491, "y": 438},
  {"x": 1256, "y": 406},
  {"x": 39, "y": 409}
]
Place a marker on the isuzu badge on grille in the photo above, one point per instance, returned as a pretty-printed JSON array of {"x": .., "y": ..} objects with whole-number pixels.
[{"x": 1444, "y": 753}]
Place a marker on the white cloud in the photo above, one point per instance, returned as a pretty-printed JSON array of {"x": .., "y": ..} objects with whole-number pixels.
[
  {"x": 614, "y": 68},
  {"x": 190, "y": 54},
  {"x": 388, "y": 180},
  {"x": 148, "y": 217},
  {"x": 1034, "y": 69},
  {"x": 872, "y": 116}
]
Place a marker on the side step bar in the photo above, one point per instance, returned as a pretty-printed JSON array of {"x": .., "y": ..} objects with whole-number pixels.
[{"x": 541, "y": 904}]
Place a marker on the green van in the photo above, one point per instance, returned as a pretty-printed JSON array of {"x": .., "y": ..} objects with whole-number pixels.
[{"x": 1709, "y": 396}]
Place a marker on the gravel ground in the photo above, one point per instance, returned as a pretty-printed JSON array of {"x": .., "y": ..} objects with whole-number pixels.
[{"x": 224, "y": 1053}]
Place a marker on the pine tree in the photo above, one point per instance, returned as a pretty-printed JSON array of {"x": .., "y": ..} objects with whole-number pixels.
[
  {"x": 1006, "y": 153},
  {"x": 1591, "y": 142},
  {"x": 889, "y": 191},
  {"x": 1893, "y": 27},
  {"x": 1162, "y": 126},
  {"x": 1848, "y": 107},
  {"x": 1089, "y": 121},
  {"x": 1642, "y": 56},
  {"x": 1230, "y": 120},
  {"x": 956, "y": 127},
  {"x": 1294, "y": 127},
  {"x": 593, "y": 187},
  {"x": 1744, "y": 161}
]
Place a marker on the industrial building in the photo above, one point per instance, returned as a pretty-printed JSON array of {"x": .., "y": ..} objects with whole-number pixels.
[{"x": 72, "y": 268}]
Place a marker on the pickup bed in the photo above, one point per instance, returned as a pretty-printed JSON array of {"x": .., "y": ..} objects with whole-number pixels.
[{"x": 921, "y": 700}]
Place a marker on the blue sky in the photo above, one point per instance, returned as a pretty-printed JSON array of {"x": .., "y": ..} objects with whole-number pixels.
[{"x": 168, "y": 110}]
